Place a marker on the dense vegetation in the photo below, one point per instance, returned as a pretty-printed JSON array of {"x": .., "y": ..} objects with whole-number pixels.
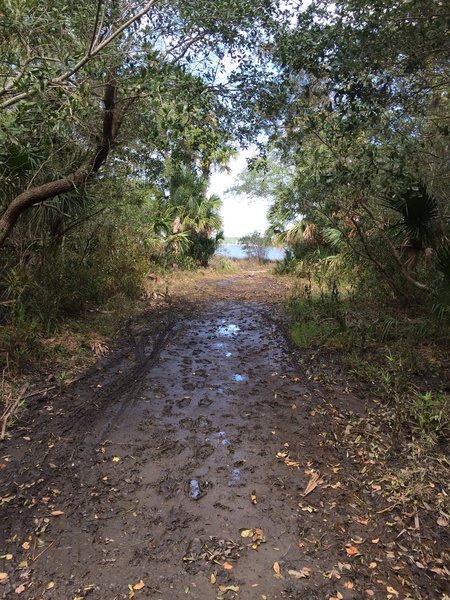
[
  {"x": 356, "y": 166},
  {"x": 113, "y": 116}
]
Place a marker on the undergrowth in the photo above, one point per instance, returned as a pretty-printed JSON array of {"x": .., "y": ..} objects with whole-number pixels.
[{"x": 400, "y": 353}]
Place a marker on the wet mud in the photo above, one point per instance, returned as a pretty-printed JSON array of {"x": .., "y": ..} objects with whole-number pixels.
[{"x": 181, "y": 473}]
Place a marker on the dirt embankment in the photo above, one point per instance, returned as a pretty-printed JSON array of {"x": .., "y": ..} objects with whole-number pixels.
[{"x": 198, "y": 460}]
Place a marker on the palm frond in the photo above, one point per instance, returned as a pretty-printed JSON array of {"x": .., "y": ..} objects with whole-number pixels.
[{"x": 419, "y": 213}]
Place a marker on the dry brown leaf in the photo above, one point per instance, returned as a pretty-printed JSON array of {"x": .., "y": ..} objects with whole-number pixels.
[
  {"x": 57, "y": 513},
  {"x": 312, "y": 483},
  {"x": 391, "y": 590},
  {"x": 442, "y": 522},
  {"x": 352, "y": 550},
  {"x": 213, "y": 578},
  {"x": 276, "y": 567},
  {"x": 20, "y": 589},
  {"x": 302, "y": 574},
  {"x": 26, "y": 545},
  {"x": 253, "y": 498},
  {"x": 246, "y": 533},
  {"x": 227, "y": 566},
  {"x": 3, "y": 576},
  {"x": 116, "y": 459},
  {"x": 139, "y": 585}
]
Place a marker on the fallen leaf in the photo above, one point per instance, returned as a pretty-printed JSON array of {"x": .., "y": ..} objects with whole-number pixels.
[
  {"x": 20, "y": 589},
  {"x": 7, "y": 556},
  {"x": 57, "y": 513},
  {"x": 50, "y": 585},
  {"x": 26, "y": 545},
  {"x": 276, "y": 568},
  {"x": 309, "y": 509},
  {"x": 349, "y": 585},
  {"x": 442, "y": 522},
  {"x": 253, "y": 498},
  {"x": 312, "y": 483},
  {"x": 373, "y": 565},
  {"x": 305, "y": 572},
  {"x": 115, "y": 459},
  {"x": 246, "y": 533},
  {"x": 391, "y": 590},
  {"x": 213, "y": 578},
  {"x": 227, "y": 566},
  {"x": 139, "y": 585},
  {"x": 352, "y": 550},
  {"x": 6, "y": 499},
  {"x": 3, "y": 576}
]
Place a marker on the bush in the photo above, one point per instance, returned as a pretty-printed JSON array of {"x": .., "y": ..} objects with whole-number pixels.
[{"x": 255, "y": 246}]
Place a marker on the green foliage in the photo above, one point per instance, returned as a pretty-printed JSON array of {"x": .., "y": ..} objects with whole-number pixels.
[{"x": 430, "y": 412}]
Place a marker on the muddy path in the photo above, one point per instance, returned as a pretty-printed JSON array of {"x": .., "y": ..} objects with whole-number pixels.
[{"x": 177, "y": 468}]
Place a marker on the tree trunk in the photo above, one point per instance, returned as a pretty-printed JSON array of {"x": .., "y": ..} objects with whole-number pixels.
[{"x": 46, "y": 191}]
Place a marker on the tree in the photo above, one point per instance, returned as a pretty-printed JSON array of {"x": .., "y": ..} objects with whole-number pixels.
[
  {"x": 255, "y": 245},
  {"x": 361, "y": 113},
  {"x": 79, "y": 80}
]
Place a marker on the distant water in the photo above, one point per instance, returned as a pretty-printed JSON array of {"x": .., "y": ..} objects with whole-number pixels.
[{"x": 236, "y": 251}]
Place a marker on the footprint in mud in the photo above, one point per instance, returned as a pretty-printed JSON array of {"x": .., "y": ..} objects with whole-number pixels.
[
  {"x": 168, "y": 486},
  {"x": 205, "y": 401},
  {"x": 201, "y": 424},
  {"x": 185, "y": 401},
  {"x": 202, "y": 452}
]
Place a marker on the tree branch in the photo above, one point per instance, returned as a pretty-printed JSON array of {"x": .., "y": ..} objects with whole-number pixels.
[{"x": 91, "y": 53}]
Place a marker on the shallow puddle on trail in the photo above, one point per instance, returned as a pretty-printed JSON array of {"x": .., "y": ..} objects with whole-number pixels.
[
  {"x": 238, "y": 377},
  {"x": 228, "y": 330}
]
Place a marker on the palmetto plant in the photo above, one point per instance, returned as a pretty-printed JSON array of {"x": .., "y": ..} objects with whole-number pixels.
[{"x": 419, "y": 216}]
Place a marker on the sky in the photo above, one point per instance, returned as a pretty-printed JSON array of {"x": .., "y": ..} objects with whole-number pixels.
[{"x": 240, "y": 215}]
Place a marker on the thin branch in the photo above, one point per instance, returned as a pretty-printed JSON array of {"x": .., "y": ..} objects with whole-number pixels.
[{"x": 94, "y": 31}]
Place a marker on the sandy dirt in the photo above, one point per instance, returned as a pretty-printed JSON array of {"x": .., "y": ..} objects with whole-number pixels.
[{"x": 177, "y": 468}]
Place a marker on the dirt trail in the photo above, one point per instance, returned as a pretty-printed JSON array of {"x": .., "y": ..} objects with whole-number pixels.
[{"x": 200, "y": 428}]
